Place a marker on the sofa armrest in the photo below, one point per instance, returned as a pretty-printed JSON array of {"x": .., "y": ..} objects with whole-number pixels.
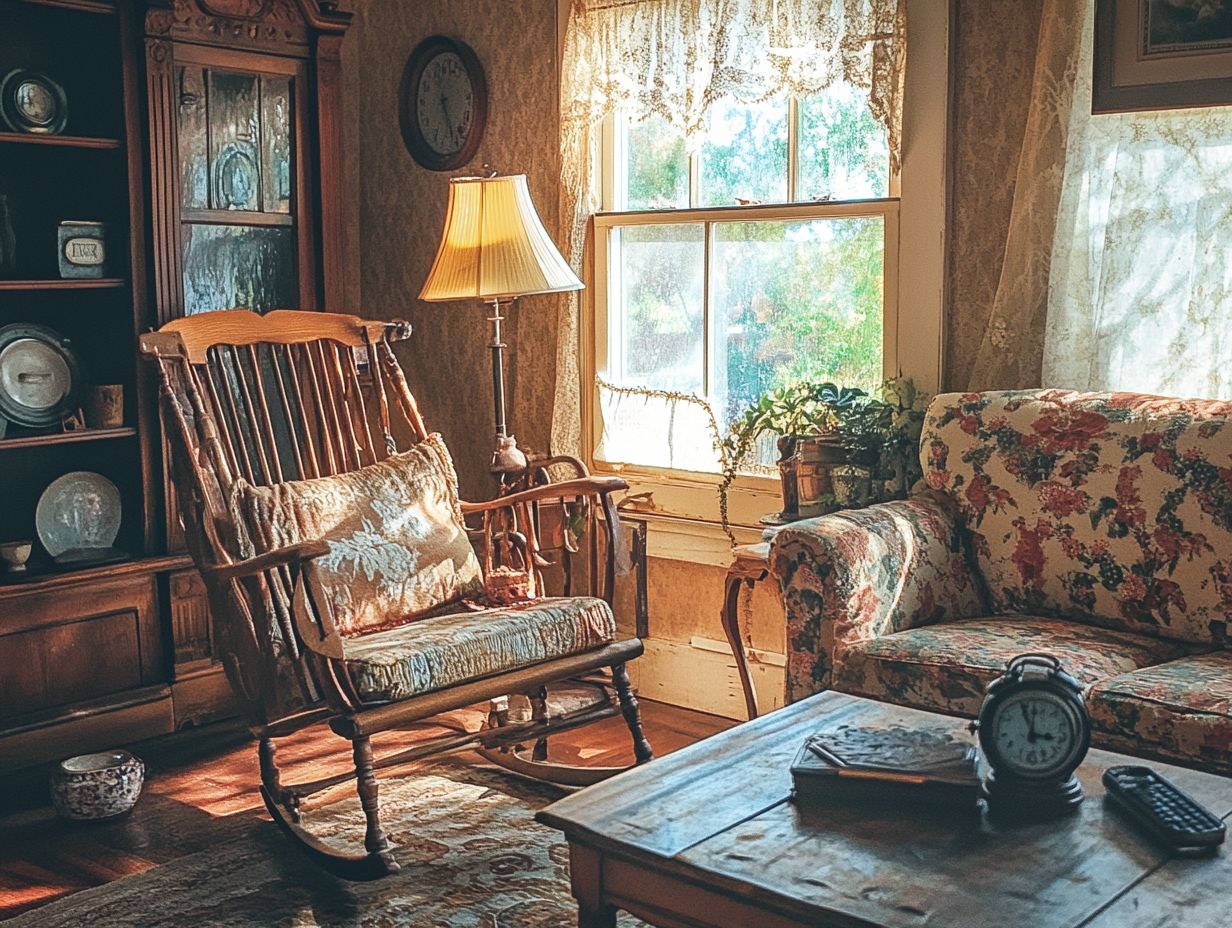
[{"x": 861, "y": 573}]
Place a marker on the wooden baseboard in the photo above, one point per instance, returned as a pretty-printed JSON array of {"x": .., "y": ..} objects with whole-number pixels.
[
  {"x": 699, "y": 675},
  {"x": 202, "y": 696},
  {"x": 93, "y": 726}
]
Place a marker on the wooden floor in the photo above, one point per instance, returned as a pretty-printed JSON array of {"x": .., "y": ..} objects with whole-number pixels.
[{"x": 201, "y": 788}]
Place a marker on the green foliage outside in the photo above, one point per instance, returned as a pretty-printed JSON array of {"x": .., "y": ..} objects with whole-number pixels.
[{"x": 792, "y": 301}]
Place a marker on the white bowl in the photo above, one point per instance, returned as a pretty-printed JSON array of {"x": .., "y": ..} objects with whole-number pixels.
[{"x": 96, "y": 786}]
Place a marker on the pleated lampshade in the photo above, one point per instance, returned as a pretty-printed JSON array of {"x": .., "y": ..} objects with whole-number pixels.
[{"x": 494, "y": 245}]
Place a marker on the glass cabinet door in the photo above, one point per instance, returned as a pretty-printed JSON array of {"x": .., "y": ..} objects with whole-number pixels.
[{"x": 238, "y": 212}]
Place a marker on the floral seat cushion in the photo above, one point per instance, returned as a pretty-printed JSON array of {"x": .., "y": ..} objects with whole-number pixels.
[
  {"x": 945, "y": 668},
  {"x": 1180, "y": 710},
  {"x": 443, "y": 650}
]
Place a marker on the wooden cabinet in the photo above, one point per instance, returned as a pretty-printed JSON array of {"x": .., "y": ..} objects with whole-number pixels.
[
  {"x": 244, "y": 173},
  {"x": 81, "y": 650},
  {"x": 205, "y": 134},
  {"x": 69, "y": 645},
  {"x": 82, "y": 665}
]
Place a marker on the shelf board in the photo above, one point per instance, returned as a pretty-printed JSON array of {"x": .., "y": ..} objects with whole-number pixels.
[
  {"x": 86, "y": 283},
  {"x": 60, "y": 141},
  {"x": 138, "y": 565},
  {"x": 65, "y": 438},
  {"x": 105, "y": 7}
]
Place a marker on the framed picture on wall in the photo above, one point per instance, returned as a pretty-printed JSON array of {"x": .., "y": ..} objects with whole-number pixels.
[{"x": 1162, "y": 54}]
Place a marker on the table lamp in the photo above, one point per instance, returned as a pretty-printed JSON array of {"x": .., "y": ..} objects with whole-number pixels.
[{"x": 494, "y": 248}]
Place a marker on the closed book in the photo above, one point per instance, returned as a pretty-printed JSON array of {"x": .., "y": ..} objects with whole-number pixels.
[{"x": 927, "y": 768}]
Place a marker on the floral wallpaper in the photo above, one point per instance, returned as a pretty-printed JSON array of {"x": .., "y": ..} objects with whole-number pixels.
[{"x": 402, "y": 210}]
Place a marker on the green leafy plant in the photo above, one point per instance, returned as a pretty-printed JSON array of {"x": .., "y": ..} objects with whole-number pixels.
[
  {"x": 880, "y": 434},
  {"x": 789, "y": 412}
]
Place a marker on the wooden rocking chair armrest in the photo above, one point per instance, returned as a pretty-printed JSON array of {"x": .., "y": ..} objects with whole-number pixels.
[
  {"x": 279, "y": 557},
  {"x": 566, "y": 489}
]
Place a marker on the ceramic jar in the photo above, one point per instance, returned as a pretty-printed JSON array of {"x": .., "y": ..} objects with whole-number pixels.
[{"x": 95, "y": 786}]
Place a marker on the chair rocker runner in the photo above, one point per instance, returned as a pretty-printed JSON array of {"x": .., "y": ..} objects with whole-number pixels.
[{"x": 293, "y": 411}]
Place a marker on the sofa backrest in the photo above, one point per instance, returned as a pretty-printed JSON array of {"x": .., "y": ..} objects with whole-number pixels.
[{"x": 1108, "y": 508}]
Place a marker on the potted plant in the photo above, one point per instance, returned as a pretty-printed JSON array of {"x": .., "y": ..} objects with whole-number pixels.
[
  {"x": 781, "y": 412},
  {"x": 799, "y": 413},
  {"x": 837, "y": 446},
  {"x": 822, "y": 448}
]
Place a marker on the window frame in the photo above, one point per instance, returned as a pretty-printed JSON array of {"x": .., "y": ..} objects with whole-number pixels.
[
  {"x": 606, "y": 223},
  {"x": 920, "y": 190}
]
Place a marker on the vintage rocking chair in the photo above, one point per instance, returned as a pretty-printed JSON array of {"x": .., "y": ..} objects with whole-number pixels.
[{"x": 273, "y": 401}]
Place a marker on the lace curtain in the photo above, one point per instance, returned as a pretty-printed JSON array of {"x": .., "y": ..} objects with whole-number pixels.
[
  {"x": 674, "y": 59},
  {"x": 1141, "y": 291},
  {"x": 1010, "y": 355}
]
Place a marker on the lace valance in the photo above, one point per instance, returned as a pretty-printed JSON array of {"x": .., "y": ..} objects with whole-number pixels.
[{"x": 675, "y": 58}]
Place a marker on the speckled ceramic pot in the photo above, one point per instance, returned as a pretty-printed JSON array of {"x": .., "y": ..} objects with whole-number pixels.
[{"x": 94, "y": 786}]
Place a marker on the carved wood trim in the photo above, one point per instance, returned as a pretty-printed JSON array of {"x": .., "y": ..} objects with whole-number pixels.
[
  {"x": 333, "y": 222},
  {"x": 283, "y": 27}
]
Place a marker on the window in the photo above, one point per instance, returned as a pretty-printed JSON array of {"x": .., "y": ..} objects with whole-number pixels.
[{"x": 766, "y": 257}]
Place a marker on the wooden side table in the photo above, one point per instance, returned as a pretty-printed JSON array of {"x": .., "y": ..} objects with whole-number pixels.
[{"x": 750, "y": 565}]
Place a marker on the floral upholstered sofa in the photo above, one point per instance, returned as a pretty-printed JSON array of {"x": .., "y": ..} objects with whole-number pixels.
[{"x": 1094, "y": 527}]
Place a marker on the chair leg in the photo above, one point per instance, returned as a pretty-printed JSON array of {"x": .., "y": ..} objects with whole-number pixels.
[
  {"x": 283, "y": 807},
  {"x": 539, "y": 712},
  {"x": 374, "y": 838},
  {"x": 272, "y": 779},
  {"x": 633, "y": 716}
]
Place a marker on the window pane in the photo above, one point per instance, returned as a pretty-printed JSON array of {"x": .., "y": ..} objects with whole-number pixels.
[
  {"x": 844, "y": 153},
  {"x": 239, "y": 267},
  {"x": 655, "y": 339},
  {"x": 745, "y": 154},
  {"x": 656, "y": 432},
  {"x": 657, "y": 174},
  {"x": 656, "y": 307},
  {"x": 796, "y": 301}
]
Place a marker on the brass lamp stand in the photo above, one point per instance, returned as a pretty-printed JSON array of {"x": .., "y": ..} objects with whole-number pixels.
[{"x": 494, "y": 248}]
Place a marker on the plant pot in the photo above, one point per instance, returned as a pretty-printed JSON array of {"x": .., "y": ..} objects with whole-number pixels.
[
  {"x": 817, "y": 455},
  {"x": 852, "y": 484}
]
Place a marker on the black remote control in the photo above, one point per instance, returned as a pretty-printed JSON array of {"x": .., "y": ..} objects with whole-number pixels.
[{"x": 1169, "y": 815}]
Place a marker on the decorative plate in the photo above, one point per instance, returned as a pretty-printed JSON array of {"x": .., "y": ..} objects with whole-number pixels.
[
  {"x": 236, "y": 177},
  {"x": 80, "y": 510},
  {"x": 39, "y": 375},
  {"x": 32, "y": 102}
]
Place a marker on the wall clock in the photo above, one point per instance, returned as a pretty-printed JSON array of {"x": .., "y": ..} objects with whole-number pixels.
[{"x": 443, "y": 104}]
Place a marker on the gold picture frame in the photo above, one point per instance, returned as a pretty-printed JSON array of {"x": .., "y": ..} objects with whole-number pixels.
[{"x": 1162, "y": 54}]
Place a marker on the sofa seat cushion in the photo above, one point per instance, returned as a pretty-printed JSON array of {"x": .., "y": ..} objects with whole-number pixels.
[
  {"x": 444, "y": 650},
  {"x": 946, "y": 667},
  {"x": 1180, "y": 710}
]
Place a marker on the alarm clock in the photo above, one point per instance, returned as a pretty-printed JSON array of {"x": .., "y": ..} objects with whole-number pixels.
[{"x": 1034, "y": 731}]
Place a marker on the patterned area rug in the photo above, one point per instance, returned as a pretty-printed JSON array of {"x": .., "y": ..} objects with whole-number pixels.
[{"x": 471, "y": 854}]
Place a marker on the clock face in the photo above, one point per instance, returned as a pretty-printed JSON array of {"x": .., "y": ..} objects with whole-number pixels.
[
  {"x": 1036, "y": 734},
  {"x": 445, "y": 103}
]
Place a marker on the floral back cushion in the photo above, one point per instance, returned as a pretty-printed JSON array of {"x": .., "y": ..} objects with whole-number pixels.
[
  {"x": 1110, "y": 507},
  {"x": 397, "y": 544}
]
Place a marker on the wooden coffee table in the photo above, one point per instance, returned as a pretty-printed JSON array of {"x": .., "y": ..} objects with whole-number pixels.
[{"x": 709, "y": 837}]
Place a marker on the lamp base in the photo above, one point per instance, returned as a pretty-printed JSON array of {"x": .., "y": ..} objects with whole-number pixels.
[{"x": 507, "y": 458}]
